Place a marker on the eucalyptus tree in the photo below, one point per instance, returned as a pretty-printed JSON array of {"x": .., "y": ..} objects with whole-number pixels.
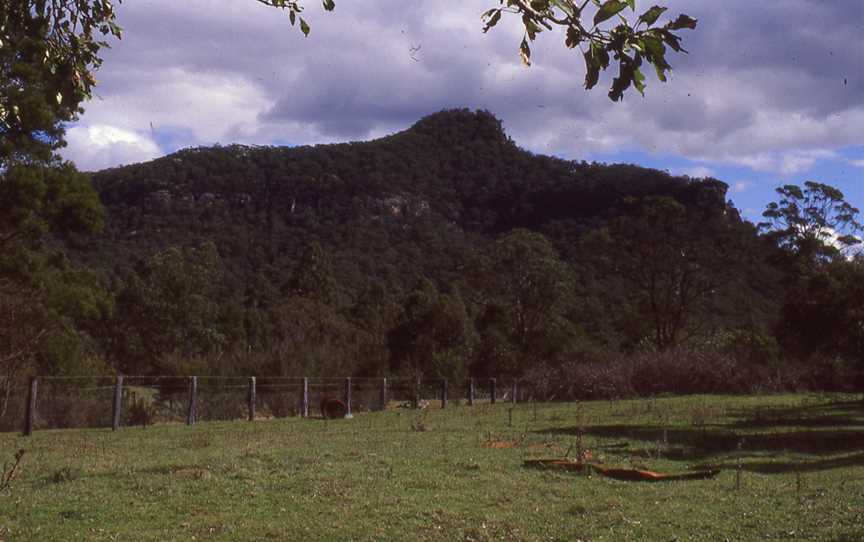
[
  {"x": 818, "y": 233},
  {"x": 815, "y": 222}
]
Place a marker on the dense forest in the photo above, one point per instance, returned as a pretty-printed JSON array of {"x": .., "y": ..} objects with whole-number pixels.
[{"x": 444, "y": 251}]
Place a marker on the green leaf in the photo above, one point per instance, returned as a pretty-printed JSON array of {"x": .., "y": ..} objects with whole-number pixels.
[
  {"x": 639, "y": 81},
  {"x": 530, "y": 27},
  {"x": 672, "y": 41},
  {"x": 650, "y": 17},
  {"x": 539, "y": 5},
  {"x": 329, "y": 5},
  {"x": 574, "y": 37},
  {"x": 304, "y": 27},
  {"x": 608, "y": 10},
  {"x": 683, "y": 21},
  {"x": 592, "y": 71},
  {"x": 600, "y": 54},
  {"x": 654, "y": 46},
  {"x": 493, "y": 19},
  {"x": 525, "y": 52},
  {"x": 596, "y": 59},
  {"x": 621, "y": 83},
  {"x": 632, "y": 4},
  {"x": 661, "y": 71},
  {"x": 292, "y": 17}
]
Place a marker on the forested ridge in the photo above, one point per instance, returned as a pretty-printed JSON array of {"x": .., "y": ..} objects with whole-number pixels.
[{"x": 444, "y": 250}]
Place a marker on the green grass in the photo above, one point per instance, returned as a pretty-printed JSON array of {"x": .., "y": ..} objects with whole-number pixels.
[{"x": 377, "y": 478}]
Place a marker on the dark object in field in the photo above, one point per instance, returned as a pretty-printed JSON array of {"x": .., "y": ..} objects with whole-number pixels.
[
  {"x": 629, "y": 475},
  {"x": 333, "y": 408},
  {"x": 7, "y": 475},
  {"x": 636, "y": 475}
]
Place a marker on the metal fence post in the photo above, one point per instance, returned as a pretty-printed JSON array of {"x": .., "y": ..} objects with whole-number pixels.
[
  {"x": 493, "y": 390},
  {"x": 384, "y": 398},
  {"x": 416, "y": 401},
  {"x": 252, "y": 398},
  {"x": 348, "y": 398},
  {"x": 444, "y": 393},
  {"x": 515, "y": 392},
  {"x": 193, "y": 395},
  {"x": 304, "y": 408},
  {"x": 30, "y": 418},
  {"x": 470, "y": 392},
  {"x": 118, "y": 404}
]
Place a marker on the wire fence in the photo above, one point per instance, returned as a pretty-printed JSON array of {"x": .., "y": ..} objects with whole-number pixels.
[{"x": 123, "y": 401}]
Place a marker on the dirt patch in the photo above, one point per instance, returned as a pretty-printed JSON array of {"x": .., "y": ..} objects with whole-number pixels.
[{"x": 500, "y": 444}]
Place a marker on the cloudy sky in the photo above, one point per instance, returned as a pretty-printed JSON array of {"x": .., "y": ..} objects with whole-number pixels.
[{"x": 771, "y": 92}]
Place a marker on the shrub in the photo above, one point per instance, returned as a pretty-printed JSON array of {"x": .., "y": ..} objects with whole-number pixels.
[{"x": 682, "y": 371}]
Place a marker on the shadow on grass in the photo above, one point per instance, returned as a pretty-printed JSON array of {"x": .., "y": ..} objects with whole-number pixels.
[
  {"x": 822, "y": 429},
  {"x": 781, "y": 467},
  {"x": 834, "y": 414}
]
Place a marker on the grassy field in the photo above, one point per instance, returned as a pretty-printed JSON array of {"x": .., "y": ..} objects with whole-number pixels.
[{"x": 792, "y": 469}]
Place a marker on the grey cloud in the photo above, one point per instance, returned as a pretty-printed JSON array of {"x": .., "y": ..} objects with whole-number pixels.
[
  {"x": 753, "y": 66},
  {"x": 798, "y": 52}
]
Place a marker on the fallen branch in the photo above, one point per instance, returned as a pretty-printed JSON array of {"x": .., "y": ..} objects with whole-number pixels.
[{"x": 9, "y": 475}]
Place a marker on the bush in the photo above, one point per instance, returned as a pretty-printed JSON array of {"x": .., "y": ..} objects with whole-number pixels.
[{"x": 682, "y": 372}]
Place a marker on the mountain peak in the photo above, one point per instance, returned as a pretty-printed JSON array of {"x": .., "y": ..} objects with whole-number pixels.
[{"x": 462, "y": 124}]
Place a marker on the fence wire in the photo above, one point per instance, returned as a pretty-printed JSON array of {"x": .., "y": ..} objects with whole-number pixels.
[
  {"x": 108, "y": 401},
  {"x": 64, "y": 403},
  {"x": 13, "y": 404}
]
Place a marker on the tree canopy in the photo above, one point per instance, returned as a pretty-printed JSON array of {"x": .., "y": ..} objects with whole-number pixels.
[{"x": 815, "y": 222}]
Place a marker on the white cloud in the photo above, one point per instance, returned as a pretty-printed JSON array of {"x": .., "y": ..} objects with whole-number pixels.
[
  {"x": 212, "y": 107},
  {"x": 99, "y": 146},
  {"x": 758, "y": 90},
  {"x": 797, "y": 162},
  {"x": 857, "y": 163},
  {"x": 787, "y": 163},
  {"x": 741, "y": 186}
]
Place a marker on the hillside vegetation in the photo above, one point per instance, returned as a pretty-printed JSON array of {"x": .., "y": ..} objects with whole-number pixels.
[{"x": 445, "y": 251}]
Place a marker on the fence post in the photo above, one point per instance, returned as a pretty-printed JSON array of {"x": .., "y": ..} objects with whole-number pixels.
[
  {"x": 193, "y": 394},
  {"x": 384, "y": 398},
  {"x": 304, "y": 408},
  {"x": 30, "y": 418},
  {"x": 348, "y": 398},
  {"x": 416, "y": 401},
  {"x": 493, "y": 390},
  {"x": 444, "y": 393},
  {"x": 470, "y": 392},
  {"x": 514, "y": 392},
  {"x": 252, "y": 393},
  {"x": 118, "y": 404}
]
